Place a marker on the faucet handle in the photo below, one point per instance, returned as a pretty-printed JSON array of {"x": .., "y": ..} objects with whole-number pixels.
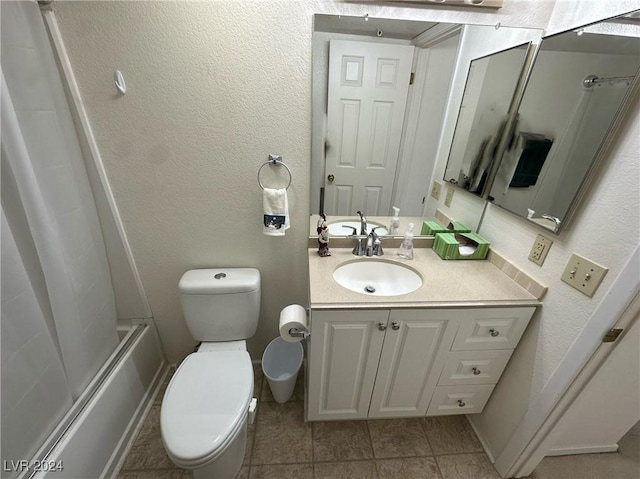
[
  {"x": 354, "y": 230},
  {"x": 377, "y": 242}
]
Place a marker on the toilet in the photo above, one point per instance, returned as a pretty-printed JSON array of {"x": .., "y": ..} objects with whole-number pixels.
[{"x": 205, "y": 410}]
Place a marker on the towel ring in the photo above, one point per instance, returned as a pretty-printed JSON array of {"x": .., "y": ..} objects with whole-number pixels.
[{"x": 275, "y": 160}]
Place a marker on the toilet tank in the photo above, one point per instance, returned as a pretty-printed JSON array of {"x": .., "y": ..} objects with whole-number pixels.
[{"x": 221, "y": 304}]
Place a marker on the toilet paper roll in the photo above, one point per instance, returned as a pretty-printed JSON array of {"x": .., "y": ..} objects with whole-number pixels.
[{"x": 293, "y": 317}]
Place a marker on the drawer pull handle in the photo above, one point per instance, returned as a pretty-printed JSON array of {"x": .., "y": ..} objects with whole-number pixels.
[
  {"x": 382, "y": 326},
  {"x": 476, "y": 371},
  {"x": 494, "y": 333},
  {"x": 395, "y": 326},
  {"x": 461, "y": 403}
]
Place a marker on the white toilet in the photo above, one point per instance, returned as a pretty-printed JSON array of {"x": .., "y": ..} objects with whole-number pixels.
[{"x": 204, "y": 414}]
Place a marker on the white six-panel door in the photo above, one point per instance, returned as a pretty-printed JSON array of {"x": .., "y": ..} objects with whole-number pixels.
[{"x": 368, "y": 85}]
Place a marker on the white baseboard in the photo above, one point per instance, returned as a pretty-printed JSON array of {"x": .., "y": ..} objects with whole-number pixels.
[
  {"x": 567, "y": 451},
  {"x": 483, "y": 442}
]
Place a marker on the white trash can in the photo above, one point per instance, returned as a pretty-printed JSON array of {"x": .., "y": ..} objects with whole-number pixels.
[{"x": 281, "y": 362}]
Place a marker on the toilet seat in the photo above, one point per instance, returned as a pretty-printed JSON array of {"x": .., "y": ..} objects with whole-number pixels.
[{"x": 205, "y": 406}]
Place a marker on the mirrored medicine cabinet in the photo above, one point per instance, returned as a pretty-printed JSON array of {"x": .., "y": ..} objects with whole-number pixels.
[{"x": 520, "y": 119}]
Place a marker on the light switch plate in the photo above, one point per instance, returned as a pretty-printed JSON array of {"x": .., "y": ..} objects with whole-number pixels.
[
  {"x": 583, "y": 274},
  {"x": 449, "y": 197},
  {"x": 436, "y": 189},
  {"x": 540, "y": 249}
]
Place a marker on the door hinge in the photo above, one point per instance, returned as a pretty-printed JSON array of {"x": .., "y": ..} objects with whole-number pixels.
[
  {"x": 412, "y": 77},
  {"x": 612, "y": 335}
]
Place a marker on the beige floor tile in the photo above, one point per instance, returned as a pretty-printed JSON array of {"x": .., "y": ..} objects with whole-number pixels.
[
  {"x": 156, "y": 474},
  {"x": 466, "y": 466},
  {"x": 341, "y": 441},
  {"x": 409, "y": 468},
  {"x": 243, "y": 473},
  {"x": 345, "y": 470},
  {"x": 148, "y": 450},
  {"x": 285, "y": 471},
  {"x": 587, "y": 466},
  {"x": 451, "y": 434},
  {"x": 149, "y": 454},
  {"x": 249, "y": 448},
  {"x": 398, "y": 438},
  {"x": 281, "y": 435},
  {"x": 298, "y": 391}
]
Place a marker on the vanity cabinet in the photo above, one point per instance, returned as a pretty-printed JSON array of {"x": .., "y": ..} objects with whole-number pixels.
[{"x": 377, "y": 363}]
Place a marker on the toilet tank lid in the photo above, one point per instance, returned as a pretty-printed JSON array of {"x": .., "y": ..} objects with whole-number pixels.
[{"x": 219, "y": 281}]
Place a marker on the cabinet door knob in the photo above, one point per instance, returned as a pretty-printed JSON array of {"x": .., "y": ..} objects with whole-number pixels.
[
  {"x": 476, "y": 371},
  {"x": 494, "y": 332},
  {"x": 395, "y": 326},
  {"x": 382, "y": 326},
  {"x": 461, "y": 403}
]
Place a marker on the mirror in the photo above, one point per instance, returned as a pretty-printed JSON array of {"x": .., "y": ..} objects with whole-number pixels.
[
  {"x": 483, "y": 116},
  {"x": 576, "y": 89},
  {"x": 372, "y": 150}
]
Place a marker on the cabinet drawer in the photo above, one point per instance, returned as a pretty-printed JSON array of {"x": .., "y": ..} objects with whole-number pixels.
[
  {"x": 474, "y": 367},
  {"x": 459, "y": 399},
  {"x": 494, "y": 328}
]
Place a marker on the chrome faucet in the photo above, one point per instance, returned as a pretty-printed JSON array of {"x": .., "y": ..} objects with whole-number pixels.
[
  {"x": 363, "y": 222},
  {"x": 359, "y": 249}
]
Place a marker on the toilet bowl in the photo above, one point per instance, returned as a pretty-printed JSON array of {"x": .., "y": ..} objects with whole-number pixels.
[{"x": 204, "y": 413}]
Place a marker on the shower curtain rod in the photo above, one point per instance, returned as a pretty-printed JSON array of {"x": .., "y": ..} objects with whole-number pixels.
[{"x": 592, "y": 80}]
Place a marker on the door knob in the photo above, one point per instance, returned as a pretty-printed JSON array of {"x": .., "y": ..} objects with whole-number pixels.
[
  {"x": 382, "y": 326},
  {"x": 330, "y": 178},
  {"x": 395, "y": 326}
]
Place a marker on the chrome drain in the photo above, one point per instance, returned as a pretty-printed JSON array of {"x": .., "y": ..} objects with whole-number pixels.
[{"x": 369, "y": 289}]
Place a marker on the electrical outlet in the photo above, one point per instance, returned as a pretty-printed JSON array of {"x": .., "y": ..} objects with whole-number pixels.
[
  {"x": 449, "y": 197},
  {"x": 583, "y": 274},
  {"x": 540, "y": 249},
  {"x": 436, "y": 189}
]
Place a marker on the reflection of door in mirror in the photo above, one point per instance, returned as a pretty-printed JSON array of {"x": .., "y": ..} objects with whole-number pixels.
[
  {"x": 368, "y": 84},
  {"x": 559, "y": 107}
]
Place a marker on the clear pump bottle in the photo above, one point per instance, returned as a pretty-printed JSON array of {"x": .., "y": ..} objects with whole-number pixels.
[
  {"x": 406, "y": 248},
  {"x": 395, "y": 221}
]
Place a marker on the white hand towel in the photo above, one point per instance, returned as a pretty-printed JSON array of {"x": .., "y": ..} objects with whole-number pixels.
[{"x": 276, "y": 212}]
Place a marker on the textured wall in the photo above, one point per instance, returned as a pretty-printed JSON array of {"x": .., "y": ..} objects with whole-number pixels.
[{"x": 213, "y": 88}]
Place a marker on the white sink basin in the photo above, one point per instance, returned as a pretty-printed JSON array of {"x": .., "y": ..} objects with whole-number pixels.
[
  {"x": 336, "y": 229},
  {"x": 377, "y": 278}
]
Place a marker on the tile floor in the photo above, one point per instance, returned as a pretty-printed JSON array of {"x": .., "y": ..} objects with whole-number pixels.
[{"x": 281, "y": 445}]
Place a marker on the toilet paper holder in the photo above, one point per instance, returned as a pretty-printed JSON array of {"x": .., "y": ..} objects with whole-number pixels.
[{"x": 294, "y": 333}]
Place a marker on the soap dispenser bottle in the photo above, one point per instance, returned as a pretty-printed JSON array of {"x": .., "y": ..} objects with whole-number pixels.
[
  {"x": 406, "y": 248},
  {"x": 395, "y": 221}
]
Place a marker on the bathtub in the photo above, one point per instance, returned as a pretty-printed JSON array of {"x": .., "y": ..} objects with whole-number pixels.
[{"x": 92, "y": 439}]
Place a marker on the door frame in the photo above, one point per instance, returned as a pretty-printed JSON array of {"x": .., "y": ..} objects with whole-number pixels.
[{"x": 619, "y": 307}]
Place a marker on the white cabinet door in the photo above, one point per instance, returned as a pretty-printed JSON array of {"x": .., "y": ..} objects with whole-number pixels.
[
  {"x": 412, "y": 357},
  {"x": 343, "y": 359}
]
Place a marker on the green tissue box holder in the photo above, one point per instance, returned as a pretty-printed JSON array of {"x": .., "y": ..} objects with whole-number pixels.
[
  {"x": 460, "y": 246},
  {"x": 431, "y": 228}
]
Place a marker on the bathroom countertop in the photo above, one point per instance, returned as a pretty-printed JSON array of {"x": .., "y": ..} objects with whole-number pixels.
[{"x": 445, "y": 284}]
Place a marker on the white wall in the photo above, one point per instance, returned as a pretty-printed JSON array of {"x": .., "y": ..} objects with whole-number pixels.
[
  {"x": 214, "y": 87},
  {"x": 608, "y": 406},
  {"x": 426, "y": 106}
]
